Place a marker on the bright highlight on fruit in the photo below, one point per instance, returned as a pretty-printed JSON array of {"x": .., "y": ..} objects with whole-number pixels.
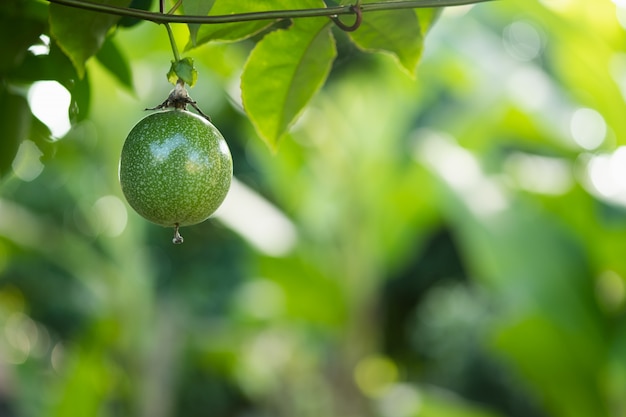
[{"x": 175, "y": 169}]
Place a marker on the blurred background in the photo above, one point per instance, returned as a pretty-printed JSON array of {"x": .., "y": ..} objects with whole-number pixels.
[{"x": 448, "y": 245}]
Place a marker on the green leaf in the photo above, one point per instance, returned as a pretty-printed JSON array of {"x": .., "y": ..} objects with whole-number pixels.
[
  {"x": 197, "y": 8},
  {"x": 81, "y": 99},
  {"x": 42, "y": 136},
  {"x": 500, "y": 235},
  {"x": 282, "y": 74},
  {"x": 127, "y": 21},
  {"x": 112, "y": 59},
  {"x": 184, "y": 70},
  {"x": 232, "y": 32},
  {"x": 396, "y": 32},
  {"x": 81, "y": 33},
  {"x": 53, "y": 66},
  {"x": 427, "y": 18},
  {"x": 15, "y": 118},
  {"x": 56, "y": 66},
  {"x": 16, "y": 35}
]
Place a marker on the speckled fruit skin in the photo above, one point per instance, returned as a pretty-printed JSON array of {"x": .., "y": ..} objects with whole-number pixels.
[{"x": 175, "y": 168}]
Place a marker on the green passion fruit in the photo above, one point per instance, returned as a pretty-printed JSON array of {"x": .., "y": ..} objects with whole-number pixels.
[{"x": 175, "y": 168}]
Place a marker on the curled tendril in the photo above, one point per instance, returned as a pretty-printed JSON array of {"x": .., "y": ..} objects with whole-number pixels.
[
  {"x": 358, "y": 18},
  {"x": 175, "y": 7}
]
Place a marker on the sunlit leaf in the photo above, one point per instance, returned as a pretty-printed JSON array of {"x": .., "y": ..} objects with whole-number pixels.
[
  {"x": 230, "y": 32},
  {"x": 283, "y": 73},
  {"x": 427, "y": 18},
  {"x": 183, "y": 69},
  {"x": 196, "y": 8},
  {"x": 396, "y": 32},
  {"x": 81, "y": 33}
]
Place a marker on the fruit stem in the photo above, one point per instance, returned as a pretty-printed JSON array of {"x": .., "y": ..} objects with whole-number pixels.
[
  {"x": 179, "y": 99},
  {"x": 170, "y": 34},
  {"x": 178, "y": 239}
]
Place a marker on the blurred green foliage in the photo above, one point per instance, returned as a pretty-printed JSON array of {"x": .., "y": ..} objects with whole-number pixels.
[{"x": 445, "y": 246}]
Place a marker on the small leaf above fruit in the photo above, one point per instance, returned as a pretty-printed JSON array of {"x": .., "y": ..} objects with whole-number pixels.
[{"x": 183, "y": 69}]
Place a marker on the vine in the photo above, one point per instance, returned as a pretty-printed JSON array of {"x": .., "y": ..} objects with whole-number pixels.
[
  {"x": 161, "y": 18},
  {"x": 305, "y": 50}
]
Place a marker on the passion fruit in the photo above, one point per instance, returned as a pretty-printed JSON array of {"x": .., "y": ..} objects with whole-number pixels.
[{"x": 175, "y": 168}]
